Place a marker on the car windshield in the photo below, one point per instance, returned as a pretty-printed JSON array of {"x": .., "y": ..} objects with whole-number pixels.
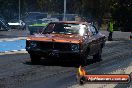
[{"x": 64, "y": 28}]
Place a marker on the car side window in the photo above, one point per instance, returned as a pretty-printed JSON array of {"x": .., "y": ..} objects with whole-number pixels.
[
  {"x": 93, "y": 30},
  {"x": 96, "y": 29}
]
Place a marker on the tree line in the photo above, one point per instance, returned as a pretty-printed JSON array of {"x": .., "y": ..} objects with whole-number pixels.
[{"x": 119, "y": 9}]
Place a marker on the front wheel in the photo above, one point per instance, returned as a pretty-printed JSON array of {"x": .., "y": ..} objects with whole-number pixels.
[
  {"x": 97, "y": 56},
  {"x": 84, "y": 59},
  {"x": 35, "y": 59}
]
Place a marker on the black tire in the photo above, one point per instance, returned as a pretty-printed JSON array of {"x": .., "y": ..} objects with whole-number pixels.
[
  {"x": 97, "y": 56},
  {"x": 84, "y": 59},
  {"x": 35, "y": 59}
]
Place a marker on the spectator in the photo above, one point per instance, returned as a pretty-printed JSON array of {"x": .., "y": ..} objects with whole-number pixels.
[{"x": 110, "y": 30}]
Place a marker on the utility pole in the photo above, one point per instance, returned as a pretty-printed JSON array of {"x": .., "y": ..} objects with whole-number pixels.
[
  {"x": 19, "y": 10},
  {"x": 64, "y": 17}
]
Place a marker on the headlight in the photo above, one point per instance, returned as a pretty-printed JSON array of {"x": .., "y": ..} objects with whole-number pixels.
[
  {"x": 33, "y": 44},
  {"x": 75, "y": 47}
]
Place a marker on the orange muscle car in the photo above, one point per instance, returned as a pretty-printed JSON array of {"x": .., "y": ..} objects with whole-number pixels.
[{"x": 75, "y": 40}]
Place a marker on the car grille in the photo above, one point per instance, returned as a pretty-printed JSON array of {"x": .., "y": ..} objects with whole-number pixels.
[{"x": 54, "y": 46}]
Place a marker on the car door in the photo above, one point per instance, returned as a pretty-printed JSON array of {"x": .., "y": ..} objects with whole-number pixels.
[
  {"x": 100, "y": 38},
  {"x": 94, "y": 41}
]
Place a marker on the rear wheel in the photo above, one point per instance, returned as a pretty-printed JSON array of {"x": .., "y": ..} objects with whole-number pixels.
[
  {"x": 35, "y": 59},
  {"x": 97, "y": 56}
]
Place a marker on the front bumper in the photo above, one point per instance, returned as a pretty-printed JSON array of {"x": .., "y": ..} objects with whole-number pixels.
[{"x": 54, "y": 53}]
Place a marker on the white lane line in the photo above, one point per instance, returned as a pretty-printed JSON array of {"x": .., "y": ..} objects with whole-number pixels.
[
  {"x": 12, "y": 39},
  {"x": 13, "y": 51},
  {"x": 17, "y": 52},
  {"x": 23, "y": 49}
]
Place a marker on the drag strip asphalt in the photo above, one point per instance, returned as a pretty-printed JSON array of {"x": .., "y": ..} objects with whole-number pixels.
[{"x": 16, "y": 70}]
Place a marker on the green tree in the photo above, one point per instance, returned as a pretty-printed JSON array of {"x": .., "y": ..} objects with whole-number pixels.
[{"x": 122, "y": 13}]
